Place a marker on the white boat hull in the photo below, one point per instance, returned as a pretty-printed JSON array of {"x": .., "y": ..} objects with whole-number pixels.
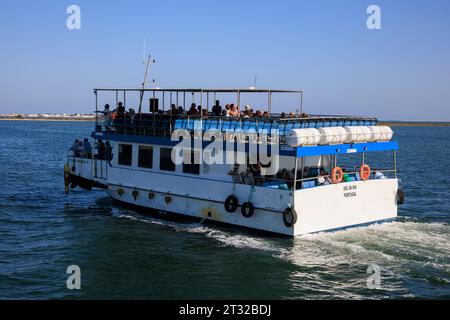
[{"x": 318, "y": 209}]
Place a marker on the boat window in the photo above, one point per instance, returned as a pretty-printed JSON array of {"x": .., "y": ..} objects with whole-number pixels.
[
  {"x": 194, "y": 167},
  {"x": 145, "y": 159},
  {"x": 125, "y": 154},
  {"x": 165, "y": 160}
]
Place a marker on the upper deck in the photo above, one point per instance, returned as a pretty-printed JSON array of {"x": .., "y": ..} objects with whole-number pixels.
[{"x": 162, "y": 120}]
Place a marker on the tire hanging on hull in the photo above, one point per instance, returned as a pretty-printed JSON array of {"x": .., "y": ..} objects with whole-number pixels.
[
  {"x": 247, "y": 209},
  {"x": 231, "y": 204},
  {"x": 289, "y": 217}
]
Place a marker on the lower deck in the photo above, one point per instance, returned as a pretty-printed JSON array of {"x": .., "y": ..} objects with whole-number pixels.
[{"x": 317, "y": 209}]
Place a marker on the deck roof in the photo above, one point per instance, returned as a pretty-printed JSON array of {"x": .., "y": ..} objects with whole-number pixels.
[{"x": 217, "y": 90}]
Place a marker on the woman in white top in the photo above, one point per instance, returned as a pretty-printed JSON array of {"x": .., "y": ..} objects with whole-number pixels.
[{"x": 106, "y": 117}]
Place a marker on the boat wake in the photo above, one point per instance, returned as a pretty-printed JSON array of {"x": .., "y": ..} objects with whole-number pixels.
[{"x": 412, "y": 257}]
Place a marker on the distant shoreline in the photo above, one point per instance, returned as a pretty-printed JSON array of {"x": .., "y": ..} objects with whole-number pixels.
[
  {"x": 45, "y": 119},
  {"x": 383, "y": 123},
  {"x": 413, "y": 124}
]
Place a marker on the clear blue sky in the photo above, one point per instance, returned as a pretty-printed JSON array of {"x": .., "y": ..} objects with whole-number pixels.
[{"x": 323, "y": 47}]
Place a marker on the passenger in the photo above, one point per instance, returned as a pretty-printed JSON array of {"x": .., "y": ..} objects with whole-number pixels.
[
  {"x": 181, "y": 111},
  {"x": 248, "y": 179},
  {"x": 346, "y": 177},
  {"x": 304, "y": 115},
  {"x": 247, "y": 113},
  {"x": 242, "y": 177},
  {"x": 87, "y": 149},
  {"x": 279, "y": 174},
  {"x": 305, "y": 172},
  {"x": 74, "y": 147},
  {"x": 132, "y": 115},
  {"x": 283, "y": 174},
  {"x": 234, "y": 173},
  {"x": 80, "y": 149},
  {"x": 199, "y": 110},
  {"x": 266, "y": 114},
  {"x": 255, "y": 169},
  {"x": 107, "y": 118},
  {"x": 287, "y": 175},
  {"x": 174, "y": 110},
  {"x": 378, "y": 175},
  {"x": 291, "y": 175},
  {"x": 283, "y": 115},
  {"x": 323, "y": 178},
  {"x": 234, "y": 111},
  {"x": 120, "y": 109},
  {"x": 108, "y": 153},
  {"x": 226, "y": 111},
  {"x": 217, "y": 109},
  {"x": 193, "y": 110},
  {"x": 292, "y": 115},
  {"x": 100, "y": 149},
  {"x": 258, "y": 114}
]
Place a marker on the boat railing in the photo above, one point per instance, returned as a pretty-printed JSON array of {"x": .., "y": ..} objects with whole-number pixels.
[
  {"x": 307, "y": 182},
  {"x": 162, "y": 125}
]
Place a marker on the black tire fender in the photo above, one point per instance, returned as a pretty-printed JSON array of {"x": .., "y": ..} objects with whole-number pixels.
[
  {"x": 247, "y": 209},
  {"x": 289, "y": 217},
  {"x": 231, "y": 204}
]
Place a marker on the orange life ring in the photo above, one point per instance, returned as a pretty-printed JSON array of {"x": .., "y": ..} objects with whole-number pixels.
[
  {"x": 364, "y": 172},
  {"x": 337, "y": 175}
]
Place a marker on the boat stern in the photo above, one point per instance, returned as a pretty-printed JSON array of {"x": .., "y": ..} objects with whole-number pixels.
[{"x": 344, "y": 205}]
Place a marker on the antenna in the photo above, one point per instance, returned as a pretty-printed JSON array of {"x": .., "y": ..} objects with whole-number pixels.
[
  {"x": 144, "y": 52},
  {"x": 254, "y": 84}
]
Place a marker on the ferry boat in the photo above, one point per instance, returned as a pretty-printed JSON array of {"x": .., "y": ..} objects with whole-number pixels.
[{"x": 307, "y": 183}]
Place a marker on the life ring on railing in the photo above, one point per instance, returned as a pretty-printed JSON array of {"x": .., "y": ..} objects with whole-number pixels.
[
  {"x": 231, "y": 204},
  {"x": 364, "y": 172},
  {"x": 247, "y": 209},
  {"x": 289, "y": 217},
  {"x": 337, "y": 175}
]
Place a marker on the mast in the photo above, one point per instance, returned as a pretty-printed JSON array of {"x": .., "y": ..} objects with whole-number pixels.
[{"x": 147, "y": 69}]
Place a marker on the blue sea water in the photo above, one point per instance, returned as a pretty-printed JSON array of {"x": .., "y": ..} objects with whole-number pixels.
[{"x": 125, "y": 255}]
